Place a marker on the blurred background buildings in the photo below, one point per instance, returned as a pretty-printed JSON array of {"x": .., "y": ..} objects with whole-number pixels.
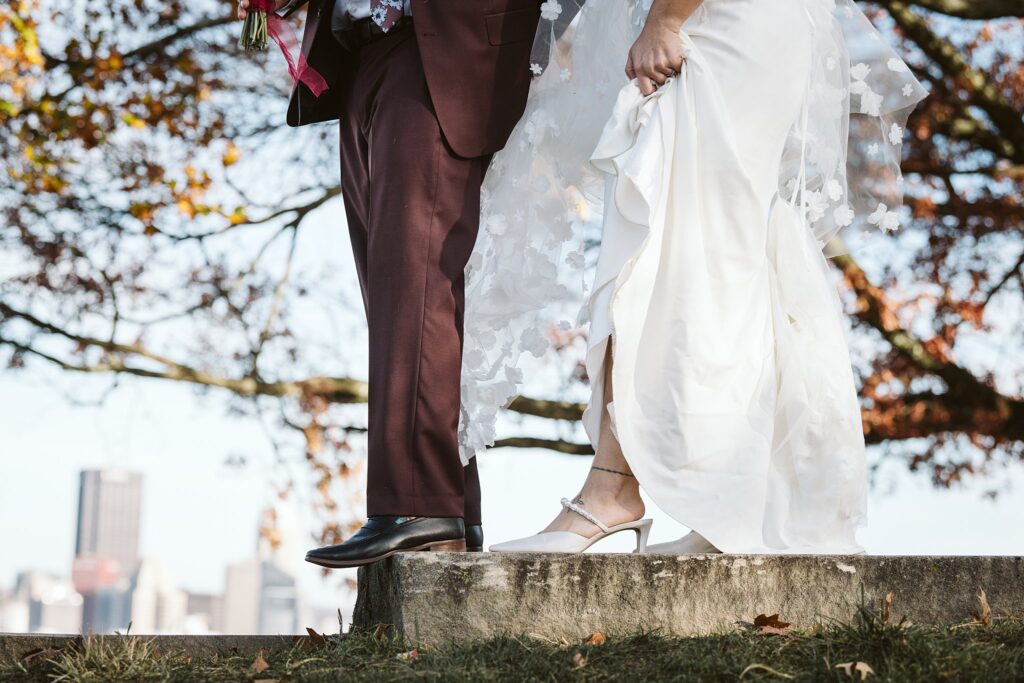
[{"x": 110, "y": 588}]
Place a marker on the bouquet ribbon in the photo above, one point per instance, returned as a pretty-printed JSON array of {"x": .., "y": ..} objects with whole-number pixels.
[{"x": 283, "y": 34}]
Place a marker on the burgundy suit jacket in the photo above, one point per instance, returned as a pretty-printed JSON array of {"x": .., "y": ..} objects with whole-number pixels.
[{"x": 475, "y": 53}]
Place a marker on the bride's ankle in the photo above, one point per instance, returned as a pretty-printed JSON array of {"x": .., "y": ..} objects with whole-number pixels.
[{"x": 624, "y": 495}]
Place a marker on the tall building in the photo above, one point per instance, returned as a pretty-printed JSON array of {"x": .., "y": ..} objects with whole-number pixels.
[
  {"x": 51, "y": 604},
  {"x": 109, "y": 507},
  {"x": 107, "y": 547},
  {"x": 157, "y": 605},
  {"x": 261, "y": 599}
]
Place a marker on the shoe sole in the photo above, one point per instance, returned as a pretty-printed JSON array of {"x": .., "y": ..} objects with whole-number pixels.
[{"x": 457, "y": 546}]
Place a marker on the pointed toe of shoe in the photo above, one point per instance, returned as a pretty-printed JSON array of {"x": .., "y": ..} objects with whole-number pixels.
[
  {"x": 548, "y": 542},
  {"x": 317, "y": 555}
]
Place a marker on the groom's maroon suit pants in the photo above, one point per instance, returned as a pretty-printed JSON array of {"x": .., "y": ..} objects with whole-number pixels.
[{"x": 413, "y": 210}]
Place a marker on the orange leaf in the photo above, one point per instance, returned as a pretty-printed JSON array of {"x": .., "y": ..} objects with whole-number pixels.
[
  {"x": 259, "y": 665},
  {"x": 596, "y": 638},
  {"x": 763, "y": 621},
  {"x": 318, "y": 639},
  {"x": 983, "y": 616}
]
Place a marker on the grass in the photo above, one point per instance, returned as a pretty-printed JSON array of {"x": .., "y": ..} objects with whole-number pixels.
[{"x": 892, "y": 651}]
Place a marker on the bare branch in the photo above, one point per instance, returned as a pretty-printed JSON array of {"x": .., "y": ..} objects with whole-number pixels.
[
  {"x": 974, "y": 9},
  {"x": 566, "y": 447}
]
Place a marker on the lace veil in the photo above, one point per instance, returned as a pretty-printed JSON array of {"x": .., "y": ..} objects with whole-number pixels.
[{"x": 542, "y": 199}]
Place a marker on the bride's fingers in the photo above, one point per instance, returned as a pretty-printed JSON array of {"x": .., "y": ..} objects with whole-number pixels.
[
  {"x": 647, "y": 86},
  {"x": 243, "y": 5}
]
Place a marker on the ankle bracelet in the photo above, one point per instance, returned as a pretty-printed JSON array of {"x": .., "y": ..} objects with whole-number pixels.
[{"x": 605, "y": 469}]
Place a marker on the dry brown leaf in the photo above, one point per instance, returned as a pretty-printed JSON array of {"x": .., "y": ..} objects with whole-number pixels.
[
  {"x": 862, "y": 669},
  {"x": 380, "y": 632},
  {"x": 773, "y": 620},
  {"x": 596, "y": 638},
  {"x": 259, "y": 665},
  {"x": 579, "y": 660},
  {"x": 887, "y": 607},
  {"x": 983, "y": 617},
  {"x": 317, "y": 639},
  {"x": 770, "y": 624}
]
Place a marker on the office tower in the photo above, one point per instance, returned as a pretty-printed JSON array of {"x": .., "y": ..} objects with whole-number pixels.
[
  {"x": 204, "y": 613},
  {"x": 157, "y": 605},
  {"x": 107, "y": 547},
  {"x": 109, "y": 507},
  {"x": 52, "y": 604}
]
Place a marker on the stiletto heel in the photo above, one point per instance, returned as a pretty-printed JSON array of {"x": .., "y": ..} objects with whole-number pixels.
[
  {"x": 568, "y": 542},
  {"x": 642, "y": 533}
]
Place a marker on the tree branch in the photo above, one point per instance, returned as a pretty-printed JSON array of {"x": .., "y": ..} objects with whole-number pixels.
[
  {"x": 974, "y": 9},
  {"x": 974, "y": 82}
]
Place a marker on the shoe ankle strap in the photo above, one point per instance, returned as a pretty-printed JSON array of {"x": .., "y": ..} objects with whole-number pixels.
[{"x": 578, "y": 508}]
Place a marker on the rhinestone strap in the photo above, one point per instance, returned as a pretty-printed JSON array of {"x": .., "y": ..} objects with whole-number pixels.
[{"x": 582, "y": 512}]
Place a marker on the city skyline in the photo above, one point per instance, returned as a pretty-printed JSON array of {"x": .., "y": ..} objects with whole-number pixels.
[{"x": 110, "y": 588}]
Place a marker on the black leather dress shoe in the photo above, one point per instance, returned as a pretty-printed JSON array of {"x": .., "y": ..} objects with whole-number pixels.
[
  {"x": 383, "y": 536},
  {"x": 474, "y": 538}
]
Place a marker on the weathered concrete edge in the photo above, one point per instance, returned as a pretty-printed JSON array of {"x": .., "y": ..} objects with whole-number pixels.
[
  {"x": 437, "y": 597},
  {"x": 14, "y": 645}
]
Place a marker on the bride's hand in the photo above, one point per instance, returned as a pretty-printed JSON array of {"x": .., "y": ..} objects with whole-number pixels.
[
  {"x": 243, "y": 7},
  {"x": 655, "y": 56}
]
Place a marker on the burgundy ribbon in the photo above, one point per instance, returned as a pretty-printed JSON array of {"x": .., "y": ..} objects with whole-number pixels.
[{"x": 284, "y": 35}]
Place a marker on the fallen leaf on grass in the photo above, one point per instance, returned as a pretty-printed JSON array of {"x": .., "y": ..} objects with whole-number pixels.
[
  {"x": 887, "y": 607},
  {"x": 766, "y": 669},
  {"x": 579, "y": 660},
  {"x": 769, "y": 624},
  {"x": 860, "y": 668},
  {"x": 765, "y": 621},
  {"x": 596, "y": 638},
  {"x": 409, "y": 656},
  {"x": 983, "y": 617},
  {"x": 260, "y": 665},
  {"x": 318, "y": 639},
  {"x": 380, "y": 632}
]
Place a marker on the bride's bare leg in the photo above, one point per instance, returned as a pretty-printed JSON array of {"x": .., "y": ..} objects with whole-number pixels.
[{"x": 610, "y": 492}]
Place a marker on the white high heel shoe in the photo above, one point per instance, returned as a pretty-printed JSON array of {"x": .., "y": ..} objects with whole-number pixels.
[
  {"x": 690, "y": 544},
  {"x": 569, "y": 542}
]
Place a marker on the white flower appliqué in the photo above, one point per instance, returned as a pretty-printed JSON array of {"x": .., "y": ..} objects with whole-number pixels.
[
  {"x": 550, "y": 10},
  {"x": 898, "y": 65},
  {"x": 885, "y": 219},
  {"x": 534, "y": 342},
  {"x": 834, "y": 190},
  {"x": 895, "y": 134},
  {"x": 843, "y": 215}
]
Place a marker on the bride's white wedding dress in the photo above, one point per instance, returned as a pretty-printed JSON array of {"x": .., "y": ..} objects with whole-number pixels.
[{"x": 734, "y": 399}]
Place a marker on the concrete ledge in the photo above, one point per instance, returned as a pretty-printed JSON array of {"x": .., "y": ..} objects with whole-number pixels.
[{"x": 442, "y": 597}]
